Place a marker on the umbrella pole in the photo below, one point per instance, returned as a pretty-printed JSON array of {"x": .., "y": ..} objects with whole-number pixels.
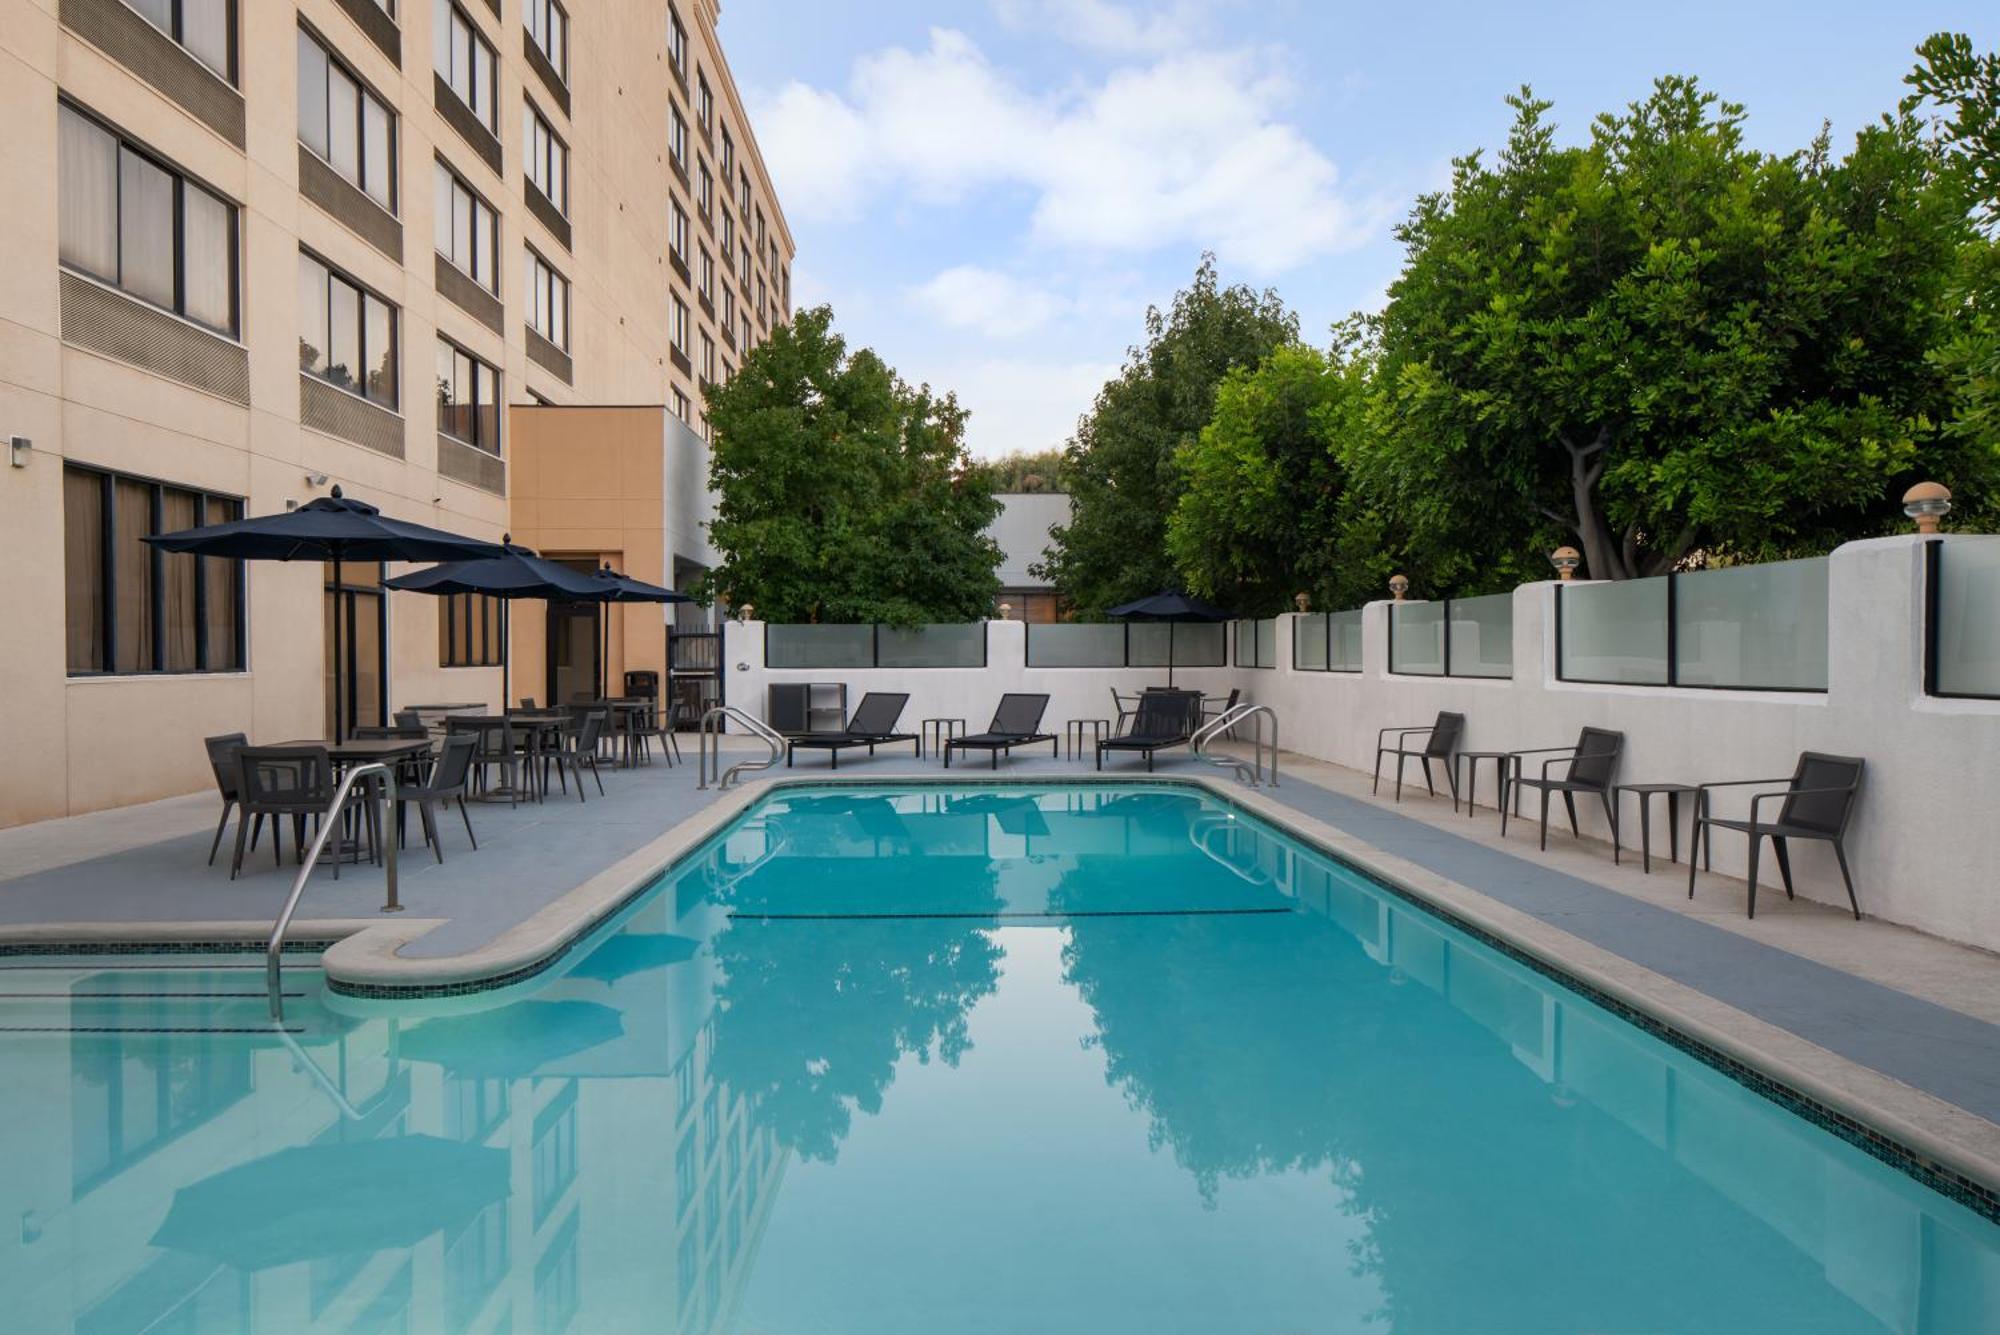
[
  {"x": 339, "y": 660},
  {"x": 506, "y": 655}
]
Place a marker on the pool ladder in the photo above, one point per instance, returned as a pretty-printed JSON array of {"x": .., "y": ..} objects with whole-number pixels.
[
  {"x": 710, "y": 756},
  {"x": 1257, "y": 772},
  {"x": 274, "y": 949}
]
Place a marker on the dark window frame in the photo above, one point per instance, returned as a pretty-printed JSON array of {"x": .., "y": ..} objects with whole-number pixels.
[
  {"x": 107, "y": 581},
  {"x": 1934, "y": 559},
  {"x": 480, "y": 44},
  {"x": 365, "y": 92},
  {"x": 483, "y": 620},
  {"x": 677, "y": 39},
  {"x": 551, "y": 7},
  {"x": 479, "y": 202},
  {"x": 481, "y": 368},
  {"x": 557, "y": 146},
  {"x": 178, "y": 36},
  {"x": 557, "y": 280},
  {"x": 359, "y": 390}
]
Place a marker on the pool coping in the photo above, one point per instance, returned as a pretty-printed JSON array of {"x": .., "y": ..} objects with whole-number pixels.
[{"x": 1946, "y": 1148}]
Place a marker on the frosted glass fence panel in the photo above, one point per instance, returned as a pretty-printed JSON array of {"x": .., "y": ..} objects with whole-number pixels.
[
  {"x": 1193, "y": 644},
  {"x": 1752, "y": 627},
  {"x": 819, "y": 646},
  {"x": 939, "y": 646},
  {"x": 1063, "y": 644},
  {"x": 1309, "y": 643},
  {"x": 1267, "y": 643},
  {"x": 1482, "y": 636},
  {"x": 1614, "y": 632},
  {"x": 1965, "y": 624},
  {"x": 1343, "y": 641},
  {"x": 1416, "y": 638}
]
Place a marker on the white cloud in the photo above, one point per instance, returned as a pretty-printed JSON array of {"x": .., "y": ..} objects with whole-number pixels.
[
  {"x": 1022, "y": 405},
  {"x": 1103, "y": 26},
  {"x": 986, "y": 301},
  {"x": 1188, "y": 150}
]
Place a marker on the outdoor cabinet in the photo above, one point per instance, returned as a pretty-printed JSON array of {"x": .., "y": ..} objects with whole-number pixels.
[{"x": 796, "y": 707}]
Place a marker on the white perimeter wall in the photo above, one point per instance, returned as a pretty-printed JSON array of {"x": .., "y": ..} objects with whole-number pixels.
[{"x": 1925, "y": 841}]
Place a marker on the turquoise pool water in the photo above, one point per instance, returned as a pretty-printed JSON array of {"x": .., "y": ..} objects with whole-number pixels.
[{"x": 985, "y": 1059}]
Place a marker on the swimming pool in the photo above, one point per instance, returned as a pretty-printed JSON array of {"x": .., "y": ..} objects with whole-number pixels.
[{"x": 986, "y": 1057}]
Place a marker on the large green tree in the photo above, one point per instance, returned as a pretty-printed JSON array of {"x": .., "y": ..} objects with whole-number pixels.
[
  {"x": 1264, "y": 499},
  {"x": 1122, "y": 473},
  {"x": 1662, "y": 342},
  {"x": 844, "y": 494}
]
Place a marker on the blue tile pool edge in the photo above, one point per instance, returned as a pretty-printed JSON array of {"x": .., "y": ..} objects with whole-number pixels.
[{"x": 1970, "y": 1192}]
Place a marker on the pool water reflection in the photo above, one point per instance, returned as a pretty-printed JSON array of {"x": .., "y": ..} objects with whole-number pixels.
[{"x": 993, "y": 1059}]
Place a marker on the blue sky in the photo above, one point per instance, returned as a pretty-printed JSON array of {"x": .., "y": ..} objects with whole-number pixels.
[{"x": 990, "y": 192}]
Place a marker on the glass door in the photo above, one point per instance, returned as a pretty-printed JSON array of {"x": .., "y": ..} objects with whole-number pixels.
[
  {"x": 364, "y": 647},
  {"x": 573, "y": 635}
]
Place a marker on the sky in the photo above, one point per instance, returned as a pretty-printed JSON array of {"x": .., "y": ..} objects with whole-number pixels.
[{"x": 991, "y": 192}]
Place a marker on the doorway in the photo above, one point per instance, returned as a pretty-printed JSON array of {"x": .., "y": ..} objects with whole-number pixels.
[
  {"x": 575, "y": 633},
  {"x": 364, "y": 647}
]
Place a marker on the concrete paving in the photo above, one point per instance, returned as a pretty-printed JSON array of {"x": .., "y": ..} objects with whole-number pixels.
[{"x": 1922, "y": 1011}]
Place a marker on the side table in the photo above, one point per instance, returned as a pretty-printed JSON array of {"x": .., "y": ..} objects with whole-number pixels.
[
  {"x": 1472, "y": 759},
  {"x": 934, "y": 732},
  {"x": 1073, "y": 733},
  {"x": 1645, "y": 793}
]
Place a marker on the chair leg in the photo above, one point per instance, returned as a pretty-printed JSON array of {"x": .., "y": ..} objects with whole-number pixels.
[
  {"x": 1755, "y": 841},
  {"x": 220, "y": 826},
  {"x": 1694, "y": 846},
  {"x": 1400, "y": 761},
  {"x": 1784, "y": 864},
  {"x": 1610, "y": 819},
  {"x": 1376, "y": 788},
  {"x": 1506, "y": 782},
  {"x": 1451, "y": 777},
  {"x": 242, "y": 829},
  {"x": 1545, "y": 819},
  {"x": 1429, "y": 785},
  {"x": 1569, "y": 804},
  {"x": 427, "y": 812},
  {"x": 599, "y": 778},
  {"x": 1840, "y": 856}
]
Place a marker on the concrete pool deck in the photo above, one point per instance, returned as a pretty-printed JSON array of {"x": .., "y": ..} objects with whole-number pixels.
[{"x": 1890, "y": 1008}]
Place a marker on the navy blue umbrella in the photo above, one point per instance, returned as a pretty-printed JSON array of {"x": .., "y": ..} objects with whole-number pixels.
[
  {"x": 1169, "y": 606},
  {"x": 516, "y": 573},
  {"x": 619, "y": 588},
  {"x": 332, "y": 528}
]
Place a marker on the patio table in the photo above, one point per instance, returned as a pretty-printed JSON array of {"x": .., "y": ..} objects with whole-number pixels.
[
  {"x": 355, "y": 751},
  {"x": 626, "y": 715}
]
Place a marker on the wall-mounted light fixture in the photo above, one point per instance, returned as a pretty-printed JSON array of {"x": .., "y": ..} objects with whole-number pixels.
[
  {"x": 1399, "y": 587},
  {"x": 1926, "y": 503},
  {"x": 1565, "y": 560},
  {"x": 20, "y": 448},
  {"x": 315, "y": 479}
]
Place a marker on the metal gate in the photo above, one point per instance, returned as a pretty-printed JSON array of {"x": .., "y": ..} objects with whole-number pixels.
[{"x": 694, "y": 675}]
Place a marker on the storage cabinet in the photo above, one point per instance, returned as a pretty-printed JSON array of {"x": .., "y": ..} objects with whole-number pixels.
[{"x": 796, "y": 707}]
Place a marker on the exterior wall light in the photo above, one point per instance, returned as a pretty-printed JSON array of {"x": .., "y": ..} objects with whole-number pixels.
[
  {"x": 1398, "y": 586},
  {"x": 748, "y": 612},
  {"x": 1565, "y": 560},
  {"x": 22, "y": 447},
  {"x": 1006, "y": 611},
  {"x": 1926, "y": 503},
  {"x": 1302, "y": 601}
]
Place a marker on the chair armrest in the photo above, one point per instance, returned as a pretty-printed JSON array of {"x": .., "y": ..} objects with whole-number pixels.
[
  {"x": 1572, "y": 759},
  {"x": 1541, "y": 750},
  {"x": 1792, "y": 792},
  {"x": 1401, "y": 733}
]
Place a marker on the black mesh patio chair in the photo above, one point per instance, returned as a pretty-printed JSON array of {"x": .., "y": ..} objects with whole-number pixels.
[
  {"x": 1165, "y": 718},
  {"x": 577, "y": 752},
  {"x": 410, "y": 718},
  {"x": 1818, "y": 799},
  {"x": 446, "y": 783},
  {"x": 527, "y": 702},
  {"x": 1440, "y": 742},
  {"x": 1587, "y": 767},
  {"x": 1016, "y": 722},
  {"x": 872, "y": 724},
  {"x": 655, "y": 725},
  {"x": 222, "y": 762},
  {"x": 1122, "y": 709},
  {"x": 280, "y": 781},
  {"x": 494, "y": 748}
]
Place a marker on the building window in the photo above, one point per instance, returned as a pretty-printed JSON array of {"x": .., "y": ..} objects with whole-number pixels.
[
  {"x": 704, "y": 191},
  {"x": 683, "y": 409},
  {"x": 677, "y": 137},
  {"x": 760, "y": 227},
  {"x": 707, "y": 359},
  {"x": 728, "y": 308},
  {"x": 548, "y": 158},
  {"x": 677, "y": 231},
  {"x": 728, "y": 238},
  {"x": 468, "y": 393},
  {"x": 205, "y": 29},
  {"x": 744, "y": 340},
  {"x": 351, "y": 129},
  {"x": 677, "y": 42},
  {"x": 548, "y": 301},
  {"x": 468, "y": 231},
  {"x": 762, "y": 300},
  {"x": 130, "y": 608},
  {"x": 548, "y": 29},
  {"x": 347, "y": 334},
  {"x": 468, "y": 631},
  {"x": 704, "y": 104},
  {"x": 704, "y": 272},
  {"x": 678, "y": 325},
  {"x": 728, "y": 163},
  {"x": 143, "y": 228},
  {"x": 465, "y": 61},
  {"x": 743, "y": 194}
]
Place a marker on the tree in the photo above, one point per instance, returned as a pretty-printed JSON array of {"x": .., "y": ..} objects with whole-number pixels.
[
  {"x": 1663, "y": 343},
  {"x": 1264, "y": 495},
  {"x": 1122, "y": 477},
  {"x": 1040, "y": 471},
  {"x": 844, "y": 495}
]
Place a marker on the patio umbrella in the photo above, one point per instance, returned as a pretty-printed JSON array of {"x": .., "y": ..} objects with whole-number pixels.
[
  {"x": 516, "y": 573},
  {"x": 512, "y": 1041},
  {"x": 331, "y": 528},
  {"x": 335, "y": 1198},
  {"x": 625, "y": 589},
  {"x": 1172, "y": 607},
  {"x": 629, "y": 953}
]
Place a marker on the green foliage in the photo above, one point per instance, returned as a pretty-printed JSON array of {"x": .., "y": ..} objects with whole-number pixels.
[
  {"x": 1264, "y": 497},
  {"x": 1663, "y": 343},
  {"x": 1040, "y": 471},
  {"x": 844, "y": 495},
  {"x": 1952, "y": 76},
  {"x": 1122, "y": 473}
]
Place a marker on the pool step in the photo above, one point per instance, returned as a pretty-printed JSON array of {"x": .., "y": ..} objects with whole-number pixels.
[{"x": 152, "y": 997}]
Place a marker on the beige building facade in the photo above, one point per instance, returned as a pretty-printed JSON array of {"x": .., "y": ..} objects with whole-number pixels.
[{"x": 258, "y": 250}]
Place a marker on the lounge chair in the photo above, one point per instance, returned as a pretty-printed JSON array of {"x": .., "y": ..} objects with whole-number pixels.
[
  {"x": 872, "y": 724},
  {"x": 1591, "y": 765},
  {"x": 1818, "y": 799},
  {"x": 1440, "y": 742},
  {"x": 1165, "y": 718},
  {"x": 1015, "y": 723}
]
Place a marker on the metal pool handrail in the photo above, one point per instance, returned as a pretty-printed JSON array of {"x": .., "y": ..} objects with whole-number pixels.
[
  {"x": 709, "y": 759},
  {"x": 1256, "y": 774},
  {"x": 274, "y": 949}
]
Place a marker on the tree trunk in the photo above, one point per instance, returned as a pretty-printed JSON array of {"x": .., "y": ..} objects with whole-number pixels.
[{"x": 1602, "y": 556}]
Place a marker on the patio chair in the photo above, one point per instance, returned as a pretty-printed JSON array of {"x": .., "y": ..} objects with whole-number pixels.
[
  {"x": 1215, "y": 706},
  {"x": 656, "y": 725},
  {"x": 222, "y": 763},
  {"x": 1591, "y": 766},
  {"x": 410, "y": 718},
  {"x": 527, "y": 702},
  {"x": 447, "y": 783},
  {"x": 1016, "y": 722},
  {"x": 1165, "y": 718},
  {"x": 1122, "y": 709},
  {"x": 577, "y": 752},
  {"x": 493, "y": 748},
  {"x": 1440, "y": 741},
  {"x": 1818, "y": 800},
  {"x": 872, "y": 724},
  {"x": 280, "y": 781}
]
